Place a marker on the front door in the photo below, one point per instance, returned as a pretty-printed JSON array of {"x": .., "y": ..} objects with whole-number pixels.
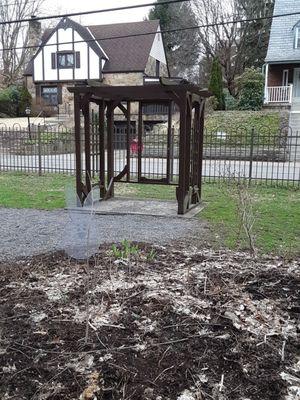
[{"x": 297, "y": 83}]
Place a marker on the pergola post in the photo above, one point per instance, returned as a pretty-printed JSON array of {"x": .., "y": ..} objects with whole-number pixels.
[
  {"x": 140, "y": 140},
  {"x": 128, "y": 137},
  {"x": 102, "y": 148},
  {"x": 196, "y": 148},
  {"x": 181, "y": 192},
  {"x": 200, "y": 152},
  {"x": 77, "y": 110},
  {"x": 169, "y": 142},
  {"x": 188, "y": 148},
  {"x": 87, "y": 145},
  {"x": 110, "y": 148}
]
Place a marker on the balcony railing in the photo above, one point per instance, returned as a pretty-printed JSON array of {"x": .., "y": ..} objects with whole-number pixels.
[{"x": 279, "y": 94}]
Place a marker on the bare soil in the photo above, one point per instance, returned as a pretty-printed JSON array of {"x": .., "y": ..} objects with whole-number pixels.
[{"x": 168, "y": 324}]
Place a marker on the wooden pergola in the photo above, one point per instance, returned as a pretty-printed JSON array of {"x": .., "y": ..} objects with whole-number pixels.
[{"x": 190, "y": 101}]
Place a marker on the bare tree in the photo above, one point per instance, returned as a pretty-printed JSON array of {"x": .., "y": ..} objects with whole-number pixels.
[
  {"x": 222, "y": 41},
  {"x": 15, "y": 35},
  {"x": 230, "y": 42}
]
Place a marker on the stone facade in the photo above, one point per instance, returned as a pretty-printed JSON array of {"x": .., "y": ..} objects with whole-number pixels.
[
  {"x": 151, "y": 68},
  {"x": 124, "y": 79},
  {"x": 66, "y": 105}
]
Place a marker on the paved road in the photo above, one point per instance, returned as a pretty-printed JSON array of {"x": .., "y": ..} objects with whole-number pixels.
[{"x": 155, "y": 167}]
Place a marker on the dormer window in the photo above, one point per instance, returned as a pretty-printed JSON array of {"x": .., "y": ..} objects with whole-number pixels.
[{"x": 297, "y": 35}]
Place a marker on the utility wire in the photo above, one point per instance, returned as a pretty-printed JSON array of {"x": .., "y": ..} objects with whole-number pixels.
[
  {"x": 80, "y": 13},
  {"x": 15, "y": 4},
  {"x": 223, "y": 23}
]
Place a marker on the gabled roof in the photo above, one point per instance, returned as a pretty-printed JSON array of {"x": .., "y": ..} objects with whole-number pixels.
[
  {"x": 126, "y": 54},
  {"x": 282, "y": 39}
]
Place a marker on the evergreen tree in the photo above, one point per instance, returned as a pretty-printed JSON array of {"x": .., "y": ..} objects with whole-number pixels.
[
  {"x": 182, "y": 48},
  {"x": 251, "y": 89},
  {"x": 216, "y": 84},
  {"x": 25, "y": 100}
]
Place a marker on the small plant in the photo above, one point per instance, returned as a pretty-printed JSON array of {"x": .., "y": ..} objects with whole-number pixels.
[
  {"x": 151, "y": 255},
  {"x": 125, "y": 250}
]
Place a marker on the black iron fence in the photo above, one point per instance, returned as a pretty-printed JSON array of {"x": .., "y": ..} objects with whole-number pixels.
[{"x": 259, "y": 156}]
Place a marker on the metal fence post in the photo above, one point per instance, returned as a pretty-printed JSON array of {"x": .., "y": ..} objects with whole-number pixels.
[
  {"x": 39, "y": 150},
  {"x": 251, "y": 155}
]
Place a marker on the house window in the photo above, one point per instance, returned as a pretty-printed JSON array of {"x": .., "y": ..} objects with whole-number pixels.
[
  {"x": 50, "y": 95},
  {"x": 285, "y": 77},
  {"x": 65, "y": 60}
]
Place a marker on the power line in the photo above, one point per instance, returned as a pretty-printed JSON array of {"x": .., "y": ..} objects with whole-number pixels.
[
  {"x": 80, "y": 13},
  {"x": 15, "y": 4},
  {"x": 223, "y": 23}
]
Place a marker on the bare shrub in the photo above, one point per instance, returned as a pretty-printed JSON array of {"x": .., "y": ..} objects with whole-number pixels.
[{"x": 238, "y": 190}]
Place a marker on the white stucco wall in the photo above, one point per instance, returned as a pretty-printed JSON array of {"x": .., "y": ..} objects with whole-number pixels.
[
  {"x": 157, "y": 50},
  {"x": 89, "y": 60}
]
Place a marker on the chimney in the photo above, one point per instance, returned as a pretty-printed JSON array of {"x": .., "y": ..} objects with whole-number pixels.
[{"x": 34, "y": 34}]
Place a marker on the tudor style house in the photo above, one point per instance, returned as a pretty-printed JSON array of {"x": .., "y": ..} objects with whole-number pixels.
[
  {"x": 282, "y": 68},
  {"x": 71, "y": 54}
]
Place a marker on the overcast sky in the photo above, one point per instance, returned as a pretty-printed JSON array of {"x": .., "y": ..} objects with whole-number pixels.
[{"x": 60, "y": 7}]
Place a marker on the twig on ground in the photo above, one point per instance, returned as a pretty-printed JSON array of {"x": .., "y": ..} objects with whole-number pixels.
[
  {"x": 221, "y": 383},
  {"x": 164, "y": 353},
  {"x": 162, "y": 373},
  {"x": 205, "y": 284},
  {"x": 283, "y": 351}
]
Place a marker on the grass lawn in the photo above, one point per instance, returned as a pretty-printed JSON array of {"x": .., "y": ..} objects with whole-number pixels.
[
  {"x": 277, "y": 224},
  {"x": 18, "y": 190}
]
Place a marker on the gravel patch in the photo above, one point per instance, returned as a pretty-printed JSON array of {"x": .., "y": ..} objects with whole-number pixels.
[{"x": 27, "y": 232}]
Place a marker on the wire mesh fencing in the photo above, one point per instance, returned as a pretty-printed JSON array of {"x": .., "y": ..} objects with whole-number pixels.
[{"x": 260, "y": 156}]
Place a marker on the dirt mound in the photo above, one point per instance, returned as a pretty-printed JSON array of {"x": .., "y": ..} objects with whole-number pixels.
[{"x": 168, "y": 324}]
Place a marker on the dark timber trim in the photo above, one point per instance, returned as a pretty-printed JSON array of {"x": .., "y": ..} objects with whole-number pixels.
[
  {"x": 73, "y": 50},
  {"x": 43, "y": 62},
  {"x": 57, "y": 50}
]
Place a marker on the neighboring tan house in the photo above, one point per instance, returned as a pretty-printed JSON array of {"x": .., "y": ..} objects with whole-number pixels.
[
  {"x": 71, "y": 54},
  {"x": 282, "y": 69}
]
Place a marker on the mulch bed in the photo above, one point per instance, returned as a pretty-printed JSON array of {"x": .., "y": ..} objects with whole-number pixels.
[{"x": 169, "y": 323}]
